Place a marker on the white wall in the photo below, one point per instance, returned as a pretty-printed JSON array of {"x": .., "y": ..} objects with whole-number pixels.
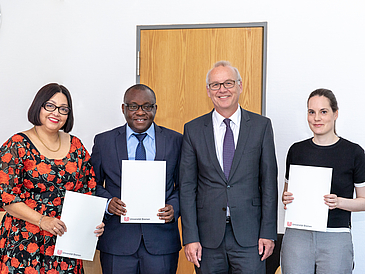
[{"x": 89, "y": 46}]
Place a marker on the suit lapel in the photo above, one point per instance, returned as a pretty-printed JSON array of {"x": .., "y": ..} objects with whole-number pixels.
[
  {"x": 160, "y": 144},
  {"x": 209, "y": 139},
  {"x": 245, "y": 127},
  {"x": 121, "y": 145}
]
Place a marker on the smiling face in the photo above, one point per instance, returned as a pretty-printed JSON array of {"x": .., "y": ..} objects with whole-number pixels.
[
  {"x": 225, "y": 100},
  {"x": 54, "y": 121},
  {"x": 139, "y": 121},
  {"x": 321, "y": 118}
]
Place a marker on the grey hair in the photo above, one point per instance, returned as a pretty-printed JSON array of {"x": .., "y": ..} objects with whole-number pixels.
[{"x": 223, "y": 64}]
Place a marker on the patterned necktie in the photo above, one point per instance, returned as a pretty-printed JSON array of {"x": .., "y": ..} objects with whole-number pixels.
[
  {"x": 228, "y": 148},
  {"x": 140, "y": 150}
]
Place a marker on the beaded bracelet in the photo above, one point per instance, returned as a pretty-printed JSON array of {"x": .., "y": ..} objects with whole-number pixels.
[{"x": 39, "y": 222}]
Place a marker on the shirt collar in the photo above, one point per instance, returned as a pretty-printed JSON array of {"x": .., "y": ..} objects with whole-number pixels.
[
  {"x": 235, "y": 118},
  {"x": 150, "y": 131}
]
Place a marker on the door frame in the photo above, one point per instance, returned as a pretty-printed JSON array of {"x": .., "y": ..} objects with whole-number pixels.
[{"x": 206, "y": 26}]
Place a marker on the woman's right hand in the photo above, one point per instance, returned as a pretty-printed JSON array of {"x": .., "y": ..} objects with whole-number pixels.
[
  {"x": 53, "y": 225},
  {"x": 287, "y": 198}
]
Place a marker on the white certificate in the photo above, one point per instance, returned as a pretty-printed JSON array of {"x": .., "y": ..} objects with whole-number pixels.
[
  {"x": 81, "y": 214},
  {"x": 143, "y": 190},
  {"x": 308, "y": 185}
]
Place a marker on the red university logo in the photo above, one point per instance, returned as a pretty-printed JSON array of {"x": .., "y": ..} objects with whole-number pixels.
[
  {"x": 126, "y": 219},
  {"x": 289, "y": 223},
  {"x": 59, "y": 252}
]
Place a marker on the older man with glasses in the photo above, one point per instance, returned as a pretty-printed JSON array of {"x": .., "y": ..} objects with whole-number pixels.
[
  {"x": 228, "y": 182},
  {"x": 138, "y": 248}
]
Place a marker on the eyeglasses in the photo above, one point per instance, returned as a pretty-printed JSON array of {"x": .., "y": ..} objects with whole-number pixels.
[
  {"x": 135, "y": 107},
  {"x": 227, "y": 84},
  {"x": 52, "y": 107}
]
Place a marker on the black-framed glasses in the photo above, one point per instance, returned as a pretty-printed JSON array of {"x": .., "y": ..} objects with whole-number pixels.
[
  {"x": 135, "y": 107},
  {"x": 52, "y": 107},
  {"x": 227, "y": 84}
]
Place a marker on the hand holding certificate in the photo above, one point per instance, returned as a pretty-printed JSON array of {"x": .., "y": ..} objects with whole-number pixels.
[
  {"x": 143, "y": 194},
  {"x": 308, "y": 185},
  {"x": 81, "y": 213}
]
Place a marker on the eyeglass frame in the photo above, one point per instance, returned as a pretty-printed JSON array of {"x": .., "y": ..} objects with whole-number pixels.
[
  {"x": 56, "y": 107},
  {"x": 141, "y": 106},
  {"x": 223, "y": 83}
]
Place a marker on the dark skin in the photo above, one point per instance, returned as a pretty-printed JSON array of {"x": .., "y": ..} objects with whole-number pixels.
[{"x": 139, "y": 121}]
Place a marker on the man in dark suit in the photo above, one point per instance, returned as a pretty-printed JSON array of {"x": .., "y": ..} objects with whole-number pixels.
[
  {"x": 137, "y": 248},
  {"x": 228, "y": 182}
]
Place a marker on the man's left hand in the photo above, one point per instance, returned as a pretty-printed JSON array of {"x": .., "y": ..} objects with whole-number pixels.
[
  {"x": 266, "y": 248},
  {"x": 166, "y": 213}
]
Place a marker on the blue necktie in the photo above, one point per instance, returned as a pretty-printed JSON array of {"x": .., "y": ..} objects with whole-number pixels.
[
  {"x": 140, "y": 150},
  {"x": 228, "y": 148}
]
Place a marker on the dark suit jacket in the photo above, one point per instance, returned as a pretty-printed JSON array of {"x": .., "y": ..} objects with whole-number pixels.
[
  {"x": 251, "y": 189},
  {"x": 110, "y": 148}
]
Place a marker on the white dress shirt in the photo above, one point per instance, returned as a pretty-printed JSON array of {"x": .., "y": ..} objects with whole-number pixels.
[{"x": 219, "y": 128}]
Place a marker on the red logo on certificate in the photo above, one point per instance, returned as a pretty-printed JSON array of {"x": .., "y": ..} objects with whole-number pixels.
[
  {"x": 126, "y": 219},
  {"x": 289, "y": 223},
  {"x": 59, "y": 252}
]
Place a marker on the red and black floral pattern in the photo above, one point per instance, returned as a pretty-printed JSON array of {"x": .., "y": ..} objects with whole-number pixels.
[{"x": 41, "y": 183}]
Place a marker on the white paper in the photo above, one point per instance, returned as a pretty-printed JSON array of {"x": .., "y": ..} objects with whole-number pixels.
[
  {"x": 81, "y": 214},
  {"x": 143, "y": 190},
  {"x": 308, "y": 185}
]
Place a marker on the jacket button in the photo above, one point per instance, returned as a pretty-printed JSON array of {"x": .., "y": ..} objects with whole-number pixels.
[{"x": 224, "y": 209}]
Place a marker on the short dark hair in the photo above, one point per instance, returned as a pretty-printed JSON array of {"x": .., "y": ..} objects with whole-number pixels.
[
  {"x": 140, "y": 87},
  {"x": 42, "y": 96}
]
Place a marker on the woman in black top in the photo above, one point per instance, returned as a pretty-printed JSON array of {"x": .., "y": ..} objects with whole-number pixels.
[{"x": 306, "y": 251}]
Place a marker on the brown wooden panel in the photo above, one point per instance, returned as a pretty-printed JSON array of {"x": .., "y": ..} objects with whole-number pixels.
[
  {"x": 184, "y": 266},
  {"x": 93, "y": 267},
  {"x": 2, "y": 213},
  {"x": 174, "y": 63}
]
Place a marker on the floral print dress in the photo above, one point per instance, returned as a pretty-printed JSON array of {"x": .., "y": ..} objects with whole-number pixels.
[{"x": 41, "y": 183}]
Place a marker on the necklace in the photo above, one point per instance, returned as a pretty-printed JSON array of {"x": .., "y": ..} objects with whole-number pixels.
[{"x": 59, "y": 141}]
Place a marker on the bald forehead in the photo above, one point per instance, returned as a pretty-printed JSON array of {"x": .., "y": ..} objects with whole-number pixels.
[{"x": 222, "y": 71}]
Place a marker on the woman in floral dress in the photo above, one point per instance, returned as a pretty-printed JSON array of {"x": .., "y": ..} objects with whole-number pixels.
[{"x": 37, "y": 166}]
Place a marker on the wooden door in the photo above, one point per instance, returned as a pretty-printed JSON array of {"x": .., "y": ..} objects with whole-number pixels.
[{"x": 174, "y": 63}]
